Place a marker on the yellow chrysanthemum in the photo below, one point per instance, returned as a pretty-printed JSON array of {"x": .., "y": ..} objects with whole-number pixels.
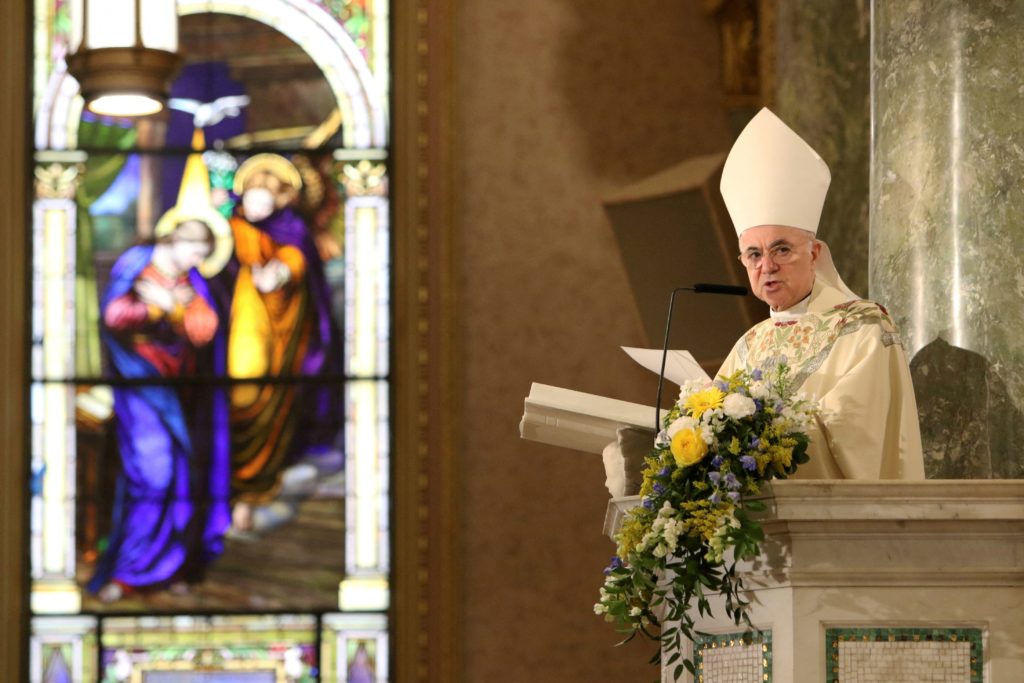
[
  {"x": 688, "y": 448},
  {"x": 703, "y": 401}
]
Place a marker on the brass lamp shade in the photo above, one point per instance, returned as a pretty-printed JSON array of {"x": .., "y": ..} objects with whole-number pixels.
[
  {"x": 124, "y": 54},
  {"x": 124, "y": 81}
]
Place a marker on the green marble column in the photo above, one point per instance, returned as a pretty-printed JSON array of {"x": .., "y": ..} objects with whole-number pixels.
[{"x": 947, "y": 220}]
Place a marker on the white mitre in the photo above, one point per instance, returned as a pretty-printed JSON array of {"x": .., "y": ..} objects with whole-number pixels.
[{"x": 773, "y": 177}]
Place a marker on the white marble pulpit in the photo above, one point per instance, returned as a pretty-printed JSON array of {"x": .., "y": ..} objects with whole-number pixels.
[
  {"x": 876, "y": 582},
  {"x": 858, "y": 581}
]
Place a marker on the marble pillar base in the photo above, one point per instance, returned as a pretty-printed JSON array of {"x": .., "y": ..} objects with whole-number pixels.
[{"x": 865, "y": 582}]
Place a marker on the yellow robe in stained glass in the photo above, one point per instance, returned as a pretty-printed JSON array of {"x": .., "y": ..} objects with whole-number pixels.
[
  {"x": 268, "y": 336},
  {"x": 846, "y": 354}
]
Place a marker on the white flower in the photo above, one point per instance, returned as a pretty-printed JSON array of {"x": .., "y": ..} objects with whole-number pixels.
[
  {"x": 759, "y": 390},
  {"x": 711, "y": 416},
  {"x": 660, "y": 550},
  {"x": 673, "y": 527},
  {"x": 600, "y": 609},
  {"x": 738, "y": 406},
  {"x": 681, "y": 423},
  {"x": 708, "y": 435},
  {"x": 635, "y": 612}
]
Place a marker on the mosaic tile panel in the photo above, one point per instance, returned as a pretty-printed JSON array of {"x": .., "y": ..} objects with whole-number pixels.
[
  {"x": 733, "y": 657},
  {"x": 903, "y": 655}
]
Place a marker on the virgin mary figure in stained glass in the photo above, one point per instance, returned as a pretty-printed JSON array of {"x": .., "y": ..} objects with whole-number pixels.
[{"x": 160, "y": 323}]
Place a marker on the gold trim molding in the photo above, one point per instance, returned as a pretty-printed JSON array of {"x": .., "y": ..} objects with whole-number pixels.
[{"x": 426, "y": 413}]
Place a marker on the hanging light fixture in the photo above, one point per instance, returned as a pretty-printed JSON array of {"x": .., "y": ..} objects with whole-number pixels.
[{"x": 124, "y": 53}]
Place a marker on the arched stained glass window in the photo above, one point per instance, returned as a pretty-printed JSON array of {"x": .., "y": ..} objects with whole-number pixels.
[{"x": 210, "y": 378}]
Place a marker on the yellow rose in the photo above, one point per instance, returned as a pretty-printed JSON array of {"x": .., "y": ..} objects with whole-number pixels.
[
  {"x": 688, "y": 448},
  {"x": 710, "y": 398}
]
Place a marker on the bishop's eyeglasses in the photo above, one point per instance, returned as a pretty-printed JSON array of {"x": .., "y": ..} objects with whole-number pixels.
[{"x": 780, "y": 253}]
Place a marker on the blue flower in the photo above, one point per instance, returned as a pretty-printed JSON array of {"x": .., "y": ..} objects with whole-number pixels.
[
  {"x": 716, "y": 497},
  {"x": 665, "y": 471},
  {"x": 748, "y": 462},
  {"x": 716, "y": 461},
  {"x": 648, "y": 503},
  {"x": 722, "y": 386},
  {"x": 779, "y": 407},
  {"x": 758, "y": 405},
  {"x": 731, "y": 481},
  {"x": 658, "y": 488},
  {"x": 616, "y": 563},
  {"x": 754, "y": 442},
  {"x": 756, "y": 375},
  {"x": 734, "y": 496},
  {"x": 715, "y": 477}
]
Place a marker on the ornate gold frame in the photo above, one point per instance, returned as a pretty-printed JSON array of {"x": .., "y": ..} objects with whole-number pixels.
[
  {"x": 425, "y": 477},
  {"x": 425, "y": 480}
]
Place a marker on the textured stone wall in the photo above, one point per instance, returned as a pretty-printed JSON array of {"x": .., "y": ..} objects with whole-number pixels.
[
  {"x": 946, "y": 216},
  {"x": 558, "y": 104}
]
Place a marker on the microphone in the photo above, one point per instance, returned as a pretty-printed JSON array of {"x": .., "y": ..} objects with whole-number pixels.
[{"x": 699, "y": 288}]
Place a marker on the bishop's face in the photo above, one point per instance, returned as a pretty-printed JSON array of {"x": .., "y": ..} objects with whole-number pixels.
[{"x": 780, "y": 285}]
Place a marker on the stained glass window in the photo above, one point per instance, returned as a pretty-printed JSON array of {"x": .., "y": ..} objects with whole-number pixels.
[{"x": 210, "y": 383}]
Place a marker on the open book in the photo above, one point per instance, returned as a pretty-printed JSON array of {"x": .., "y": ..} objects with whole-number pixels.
[
  {"x": 587, "y": 422},
  {"x": 578, "y": 420}
]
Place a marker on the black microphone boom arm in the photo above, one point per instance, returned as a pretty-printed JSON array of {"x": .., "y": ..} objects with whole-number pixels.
[{"x": 699, "y": 288}]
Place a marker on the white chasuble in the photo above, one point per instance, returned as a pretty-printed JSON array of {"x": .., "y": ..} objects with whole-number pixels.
[{"x": 847, "y": 355}]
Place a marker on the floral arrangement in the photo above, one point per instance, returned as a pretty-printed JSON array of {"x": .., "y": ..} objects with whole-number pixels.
[{"x": 721, "y": 441}]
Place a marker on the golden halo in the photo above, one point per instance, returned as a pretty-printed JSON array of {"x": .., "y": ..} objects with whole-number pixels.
[
  {"x": 274, "y": 163},
  {"x": 223, "y": 241}
]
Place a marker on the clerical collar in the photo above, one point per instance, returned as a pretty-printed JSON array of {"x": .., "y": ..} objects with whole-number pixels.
[{"x": 794, "y": 312}]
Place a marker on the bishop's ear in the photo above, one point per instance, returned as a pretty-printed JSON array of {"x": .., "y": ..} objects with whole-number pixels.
[{"x": 815, "y": 250}]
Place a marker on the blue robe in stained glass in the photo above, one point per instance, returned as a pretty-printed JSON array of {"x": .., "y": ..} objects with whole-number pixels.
[{"x": 171, "y": 506}]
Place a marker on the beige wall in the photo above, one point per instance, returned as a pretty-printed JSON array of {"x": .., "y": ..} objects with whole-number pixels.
[{"x": 557, "y": 103}]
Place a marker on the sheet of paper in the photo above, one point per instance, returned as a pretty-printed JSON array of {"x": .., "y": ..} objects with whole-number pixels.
[{"x": 680, "y": 366}]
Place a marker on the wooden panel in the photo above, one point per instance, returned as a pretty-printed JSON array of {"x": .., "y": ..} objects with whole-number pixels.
[{"x": 14, "y": 140}]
